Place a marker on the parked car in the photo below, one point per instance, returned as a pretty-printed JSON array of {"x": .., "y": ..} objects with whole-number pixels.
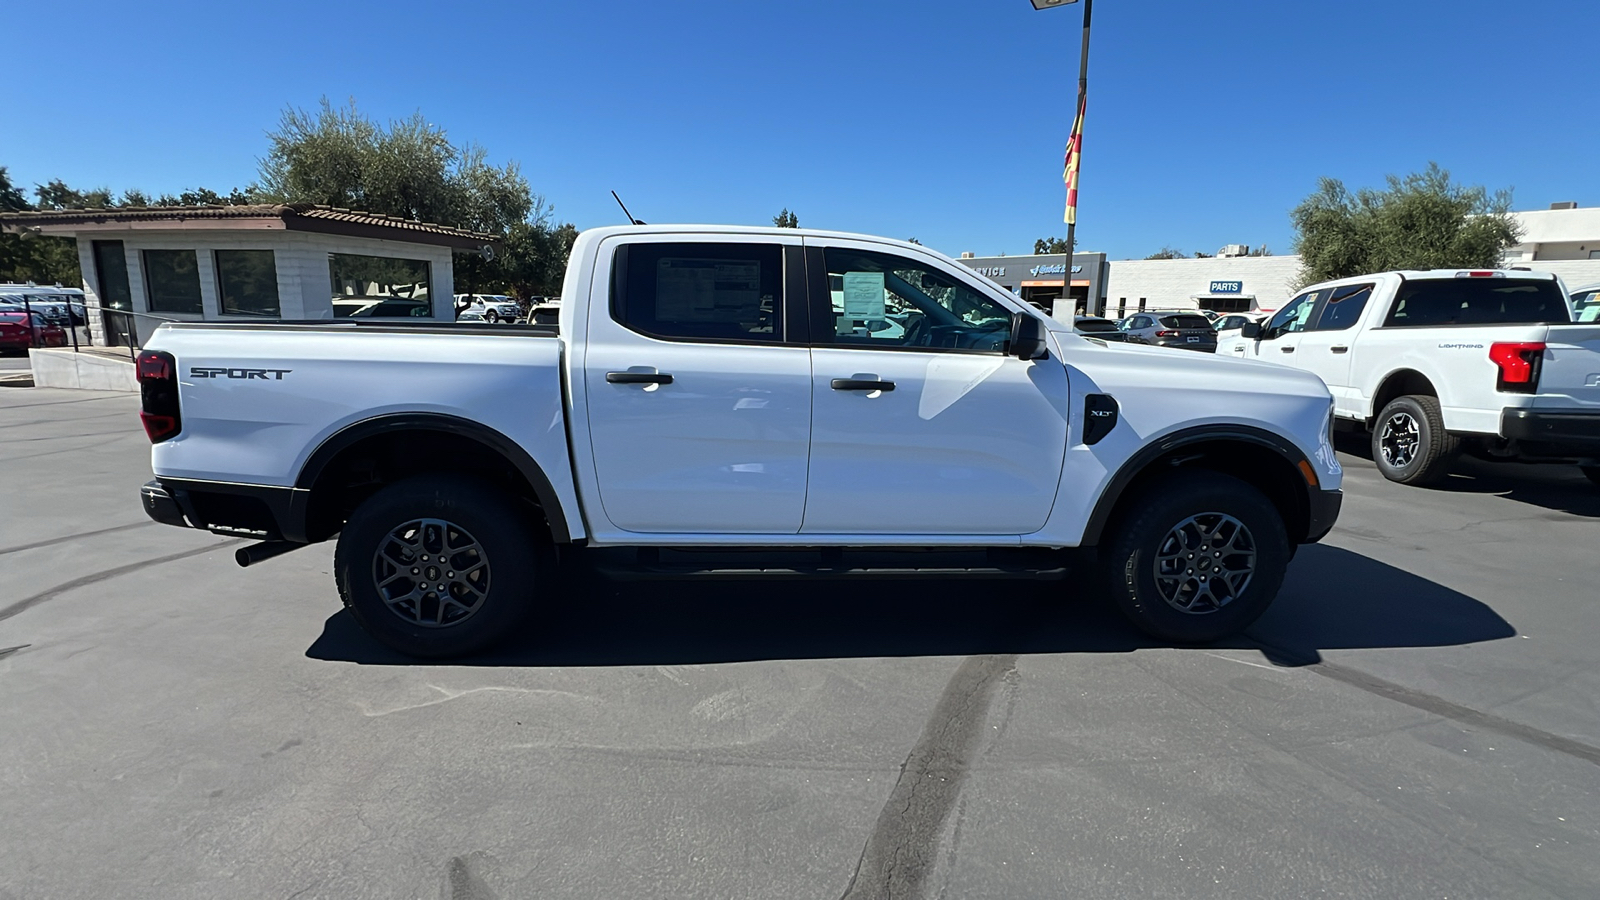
[
  {"x": 491, "y": 307},
  {"x": 1586, "y": 303},
  {"x": 699, "y": 395},
  {"x": 1441, "y": 362},
  {"x": 381, "y": 308},
  {"x": 1187, "y": 330},
  {"x": 17, "y": 335},
  {"x": 61, "y": 306},
  {"x": 1233, "y": 321},
  {"x": 1098, "y": 328}
]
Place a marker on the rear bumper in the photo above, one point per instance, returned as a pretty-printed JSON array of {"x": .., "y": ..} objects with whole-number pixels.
[
  {"x": 159, "y": 505},
  {"x": 265, "y": 512},
  {"x": 1551, "y": 433},
  {"x": 1322, "y": 510}
]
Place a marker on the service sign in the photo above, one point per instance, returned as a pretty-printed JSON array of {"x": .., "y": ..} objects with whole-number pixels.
[{"x": 1227, "y": 287}]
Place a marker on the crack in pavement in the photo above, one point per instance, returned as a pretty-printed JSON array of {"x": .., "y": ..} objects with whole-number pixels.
[
  {"x": 27, "y": 603},
  {"x": 902, "y": 849}
]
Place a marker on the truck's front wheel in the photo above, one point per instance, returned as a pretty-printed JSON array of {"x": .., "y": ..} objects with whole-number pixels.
[
  {"x": 437, "y": 566},
  {"x": 1198, "y": 556}
]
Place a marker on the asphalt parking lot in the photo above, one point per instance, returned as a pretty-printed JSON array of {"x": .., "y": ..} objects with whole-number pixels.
[{"x": 1415, "y": 717}]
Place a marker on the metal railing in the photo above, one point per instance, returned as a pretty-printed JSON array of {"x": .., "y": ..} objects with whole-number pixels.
[{"x": 128, "y": 333}]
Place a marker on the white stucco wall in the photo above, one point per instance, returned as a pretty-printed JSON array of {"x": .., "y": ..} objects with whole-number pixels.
[
  {"x": 1173, "y": 283},
  {"x": 305, "y": 290}
]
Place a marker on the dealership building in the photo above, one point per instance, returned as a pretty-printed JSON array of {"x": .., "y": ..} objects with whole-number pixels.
[
  {"x": 1564, "y": 240},
  {"x": 1096, "y": 286}
]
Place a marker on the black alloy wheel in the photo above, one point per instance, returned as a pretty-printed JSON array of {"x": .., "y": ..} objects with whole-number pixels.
[
  {"x": 439, "y": 565},
  {"x": 1195, "y": 556}
]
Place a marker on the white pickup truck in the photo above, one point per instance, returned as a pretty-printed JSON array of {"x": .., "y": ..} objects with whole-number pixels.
[
  {"x": 1436, "y": 363},
  {"x": 820, "y": 403}
]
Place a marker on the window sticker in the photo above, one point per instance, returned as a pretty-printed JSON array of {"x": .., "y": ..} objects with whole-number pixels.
[
  {"x": 864, "y": 296},
  {"x": 707, "y": 290}
]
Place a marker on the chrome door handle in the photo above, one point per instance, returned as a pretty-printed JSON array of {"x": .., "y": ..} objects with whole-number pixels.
[
  {"x": 1340, "y": 349},
  {"x": 638, "y": 378},
  {"x": 860, "y": 384}
]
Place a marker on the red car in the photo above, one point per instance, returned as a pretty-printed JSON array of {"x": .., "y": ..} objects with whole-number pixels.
[{"x": 16, "y": 335}]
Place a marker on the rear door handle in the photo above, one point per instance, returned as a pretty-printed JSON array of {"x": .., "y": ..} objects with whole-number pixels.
[
  {"x": 638, "y": 378},
  {"x": 860, "y": 384},
  {"x": 1340, "y": 349},
  {"x": 1287, "y": 349}
]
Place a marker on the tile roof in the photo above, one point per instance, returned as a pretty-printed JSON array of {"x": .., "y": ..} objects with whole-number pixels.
[{"x": 295, "y": 217}]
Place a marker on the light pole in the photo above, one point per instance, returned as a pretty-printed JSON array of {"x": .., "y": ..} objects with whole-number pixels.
[{"x": 1075, "y": 141}]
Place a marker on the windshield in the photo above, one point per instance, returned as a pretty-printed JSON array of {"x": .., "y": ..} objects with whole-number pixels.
[
  {"x": 1186, "y": 322},
  {"x": 1478, "y": 301}
]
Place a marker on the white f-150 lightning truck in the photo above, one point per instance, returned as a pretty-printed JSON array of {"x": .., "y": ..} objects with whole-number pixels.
[
  {"x": 1441, "y": 362},
  {"x": 744, "y": 400}
]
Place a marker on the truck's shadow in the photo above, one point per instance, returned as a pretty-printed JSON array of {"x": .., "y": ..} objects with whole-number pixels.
[
  {"x": 1333, "y": 599},
  {"x": 1562, "y": 488}
]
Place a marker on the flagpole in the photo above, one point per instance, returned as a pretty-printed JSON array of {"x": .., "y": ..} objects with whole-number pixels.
[{"x": 1083, "y": 87}]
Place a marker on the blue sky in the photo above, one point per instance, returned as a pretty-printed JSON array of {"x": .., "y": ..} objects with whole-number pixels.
[{"x": 939, "y": 120}]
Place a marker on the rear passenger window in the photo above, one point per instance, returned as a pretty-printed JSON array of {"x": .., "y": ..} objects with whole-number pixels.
[
  {"x": 1478, "y": 301},
  {"x": 700, "y": 291},
  {"x": 1344, "y": 307}
]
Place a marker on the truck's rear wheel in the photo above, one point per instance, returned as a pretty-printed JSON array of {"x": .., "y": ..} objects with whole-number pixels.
[
  {"x": 1410, "y": 443},
  {"x": 437, "y": 566},
  {"x": 1198, "y": 556}
]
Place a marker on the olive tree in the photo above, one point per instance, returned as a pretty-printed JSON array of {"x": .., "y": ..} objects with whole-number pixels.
[{"x": 1420, "y": 221}]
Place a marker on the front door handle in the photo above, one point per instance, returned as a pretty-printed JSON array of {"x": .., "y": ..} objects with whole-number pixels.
[
  {"x": 1286, "y": 349},
  {"x": 638, "y": 378},
  {"x": 1340, "y": 349},
  {"x": 860, "y": 384}
]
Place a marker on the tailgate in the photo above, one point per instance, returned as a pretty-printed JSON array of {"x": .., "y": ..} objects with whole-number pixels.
[{"x": 1570, "y": 371}]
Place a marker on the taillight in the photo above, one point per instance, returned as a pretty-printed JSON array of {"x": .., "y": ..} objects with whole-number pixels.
[
  {"x": 1166, "y": 334},
  {"x": 1480, "y": 274},
  {"x": 158, "y": 394},
  {"x": 1519, "y": 365}
]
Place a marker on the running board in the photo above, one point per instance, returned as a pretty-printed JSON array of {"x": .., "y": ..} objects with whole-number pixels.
[{"x": 827, "y": 564}]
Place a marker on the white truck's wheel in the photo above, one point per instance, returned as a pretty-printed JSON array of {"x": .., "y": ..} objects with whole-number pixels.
[
  {"x": 1409, "y": 442},
  {"x": 437, "y": 566},
  {"x": 1199, "y": 556}
]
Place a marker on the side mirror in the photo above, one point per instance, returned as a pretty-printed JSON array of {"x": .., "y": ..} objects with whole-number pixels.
[
  {"x": 1251, "y": 330},
  {"x": 1027, "y": 337}
]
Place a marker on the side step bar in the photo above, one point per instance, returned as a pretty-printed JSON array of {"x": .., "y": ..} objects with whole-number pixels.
[{"x": 649, "y": 563}]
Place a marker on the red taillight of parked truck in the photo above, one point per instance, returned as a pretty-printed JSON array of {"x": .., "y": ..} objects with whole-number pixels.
[
  {"x": 1519, "y": 365},
  {"x": 157, "y": 372}
]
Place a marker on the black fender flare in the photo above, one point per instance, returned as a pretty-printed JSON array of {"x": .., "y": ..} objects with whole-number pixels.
[
  {"x": 513, "y": 452},
  {"x": 1138, "y": 462}
]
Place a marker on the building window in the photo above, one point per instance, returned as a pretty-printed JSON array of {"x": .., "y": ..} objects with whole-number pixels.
[
  {"x": 380, "y": 286},
  {"x": 247, "y": 283},
  {"x": 172, "y": 281}
]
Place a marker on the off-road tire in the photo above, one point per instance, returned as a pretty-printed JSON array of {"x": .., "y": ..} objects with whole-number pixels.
[
  {"x": 1433, "y": 451},
  {"x": 1142, "y": 535},
  {"x": 500, "y": 535}
]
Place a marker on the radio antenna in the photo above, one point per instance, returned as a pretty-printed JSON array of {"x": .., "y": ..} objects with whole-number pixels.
[{"x": 625, "y": 209}]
